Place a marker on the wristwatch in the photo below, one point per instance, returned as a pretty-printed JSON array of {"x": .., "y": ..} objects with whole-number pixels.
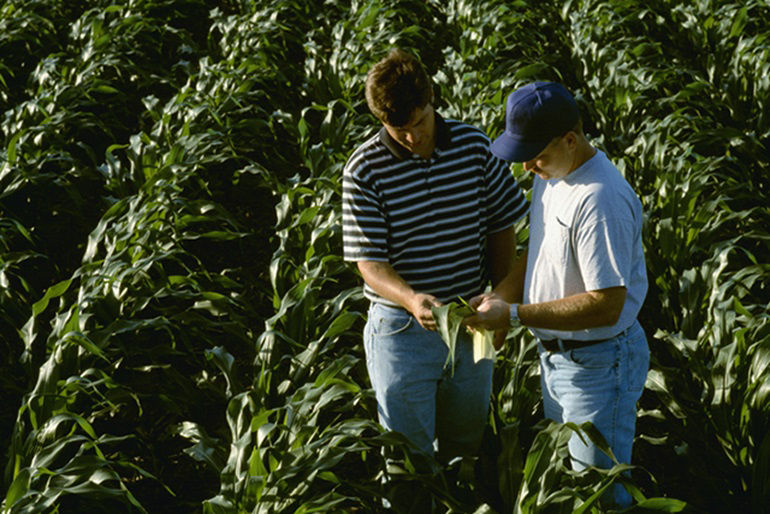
[{"x": 513, "y": 310}]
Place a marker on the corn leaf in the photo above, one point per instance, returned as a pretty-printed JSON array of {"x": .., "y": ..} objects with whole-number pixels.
[{"x": 449, "y": 320}]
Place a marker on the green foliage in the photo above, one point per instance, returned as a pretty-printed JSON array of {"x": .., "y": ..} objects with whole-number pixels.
[{"x": 178, "y": 328}]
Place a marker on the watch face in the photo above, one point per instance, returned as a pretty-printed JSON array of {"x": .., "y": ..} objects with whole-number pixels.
[{"x": 514, "y": 315}]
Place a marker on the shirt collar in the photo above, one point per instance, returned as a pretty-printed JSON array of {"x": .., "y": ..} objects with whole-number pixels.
[
  {"x": 443, "y": 139},
  {"x": 575, "y": 175}
]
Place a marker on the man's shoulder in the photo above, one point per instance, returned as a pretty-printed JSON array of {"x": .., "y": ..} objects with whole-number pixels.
[
  {"x": 372, "y": 144},
  {"x": 363, "y": 155},
  {"x": 606, "y": 194},
  {"x": 610, "y": 181}
]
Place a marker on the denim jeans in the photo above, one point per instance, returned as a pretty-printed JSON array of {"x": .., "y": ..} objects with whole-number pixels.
[
  {"x": 599, "y": 383},
  {"x": 416, "y": 394}
]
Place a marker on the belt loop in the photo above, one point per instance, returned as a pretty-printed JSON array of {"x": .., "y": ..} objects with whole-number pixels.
[{"x": 561, "y": 345}]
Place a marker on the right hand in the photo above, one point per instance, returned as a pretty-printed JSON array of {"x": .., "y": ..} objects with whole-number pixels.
[
  {"x": 479, "y": 299},
  {"x": 420, "y": 307},
  {"x": 491, "y": 313},
  {"x": 500, "y": 334}
]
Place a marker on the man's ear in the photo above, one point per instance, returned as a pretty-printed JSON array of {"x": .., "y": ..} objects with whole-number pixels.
[{"x": 572, "y": 139}]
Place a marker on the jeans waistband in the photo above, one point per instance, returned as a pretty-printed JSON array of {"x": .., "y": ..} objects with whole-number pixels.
[{"x": 396, "y": 308}]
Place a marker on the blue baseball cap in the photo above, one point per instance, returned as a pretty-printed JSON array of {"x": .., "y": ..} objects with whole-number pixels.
[{"x": 534, "y": 115}]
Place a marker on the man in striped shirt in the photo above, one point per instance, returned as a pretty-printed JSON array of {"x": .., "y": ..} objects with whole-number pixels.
[{"x": 428, "y": 216}]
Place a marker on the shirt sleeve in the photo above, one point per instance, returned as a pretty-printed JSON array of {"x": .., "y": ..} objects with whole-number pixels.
[
  {"x": 505, "y": 202},
  {"x": 604, "y": 250},
  {"x": 364, "y": 230}
]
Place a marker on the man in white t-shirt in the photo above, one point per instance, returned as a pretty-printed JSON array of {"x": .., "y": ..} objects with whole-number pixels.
[{"x": 581, "y": 283}]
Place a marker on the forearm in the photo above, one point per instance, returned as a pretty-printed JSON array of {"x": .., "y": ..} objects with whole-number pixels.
[
  {"x": 577, "y": 312},
  {"x": 511, "y": 288},
  {"x": 501, "y": 251},
  {"x": 386, "y": 282}
]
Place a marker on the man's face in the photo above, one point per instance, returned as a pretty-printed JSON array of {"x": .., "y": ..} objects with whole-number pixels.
[
  {"x": 556, "y": 160},
  {"x": 418, "y": 134}
]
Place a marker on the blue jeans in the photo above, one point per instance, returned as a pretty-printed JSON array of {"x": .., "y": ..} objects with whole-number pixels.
[
  {"x": 416, "y": 395},
  {"x": 599, "y": 383}
]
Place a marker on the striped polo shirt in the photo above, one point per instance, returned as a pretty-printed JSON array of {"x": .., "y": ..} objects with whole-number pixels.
[{"x": 428, "y": 218}]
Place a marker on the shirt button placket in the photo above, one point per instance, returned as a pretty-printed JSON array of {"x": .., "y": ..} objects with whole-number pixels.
[{"x": 428, "y": 188}]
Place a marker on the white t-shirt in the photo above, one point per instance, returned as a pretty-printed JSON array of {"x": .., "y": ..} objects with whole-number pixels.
[{"x": 586, "y": 234}]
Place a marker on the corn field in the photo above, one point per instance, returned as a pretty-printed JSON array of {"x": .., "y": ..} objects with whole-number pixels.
[{"x": 179, "y": 332}]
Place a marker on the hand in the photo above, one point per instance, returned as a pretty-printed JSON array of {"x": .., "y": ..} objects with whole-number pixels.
[
  {"x": 420, "y": 307},
  {"x": 491, "y": 314},
  {"x": 479, "y": 299}
]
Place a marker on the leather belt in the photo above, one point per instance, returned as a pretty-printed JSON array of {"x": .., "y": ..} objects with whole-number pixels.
[{"x": 552, "y": 345}]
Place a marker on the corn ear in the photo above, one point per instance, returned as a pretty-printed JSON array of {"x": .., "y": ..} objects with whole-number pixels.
[{"x": 482, "y": 344}]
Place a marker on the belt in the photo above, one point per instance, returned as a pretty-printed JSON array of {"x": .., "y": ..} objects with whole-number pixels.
[
  {"x": 552, "y": 345},
  {"x": 565, "y": 345}
]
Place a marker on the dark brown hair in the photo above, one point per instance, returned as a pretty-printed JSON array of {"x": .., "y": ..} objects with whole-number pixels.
[{"x": 396, "y": 86}]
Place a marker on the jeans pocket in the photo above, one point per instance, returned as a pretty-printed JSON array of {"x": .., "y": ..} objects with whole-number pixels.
[
  {"x": 392, "y": 325},
  {"x": 638, "y": 366},
  {"x": 595, "y": 357}
]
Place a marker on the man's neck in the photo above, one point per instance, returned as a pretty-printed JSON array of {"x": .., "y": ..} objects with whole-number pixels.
[
  {"x": 585, "y": 151},
  {"x": 428, "y": 152}
]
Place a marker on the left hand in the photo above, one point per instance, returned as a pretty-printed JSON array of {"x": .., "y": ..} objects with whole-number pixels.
[{"x": 420, "y": 307}]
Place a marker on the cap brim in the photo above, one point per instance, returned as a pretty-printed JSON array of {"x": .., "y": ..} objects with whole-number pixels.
[{"x": 512, "y": 149}]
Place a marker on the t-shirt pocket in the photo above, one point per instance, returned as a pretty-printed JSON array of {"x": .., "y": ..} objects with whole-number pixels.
[{"x": 556, "y": 241}]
